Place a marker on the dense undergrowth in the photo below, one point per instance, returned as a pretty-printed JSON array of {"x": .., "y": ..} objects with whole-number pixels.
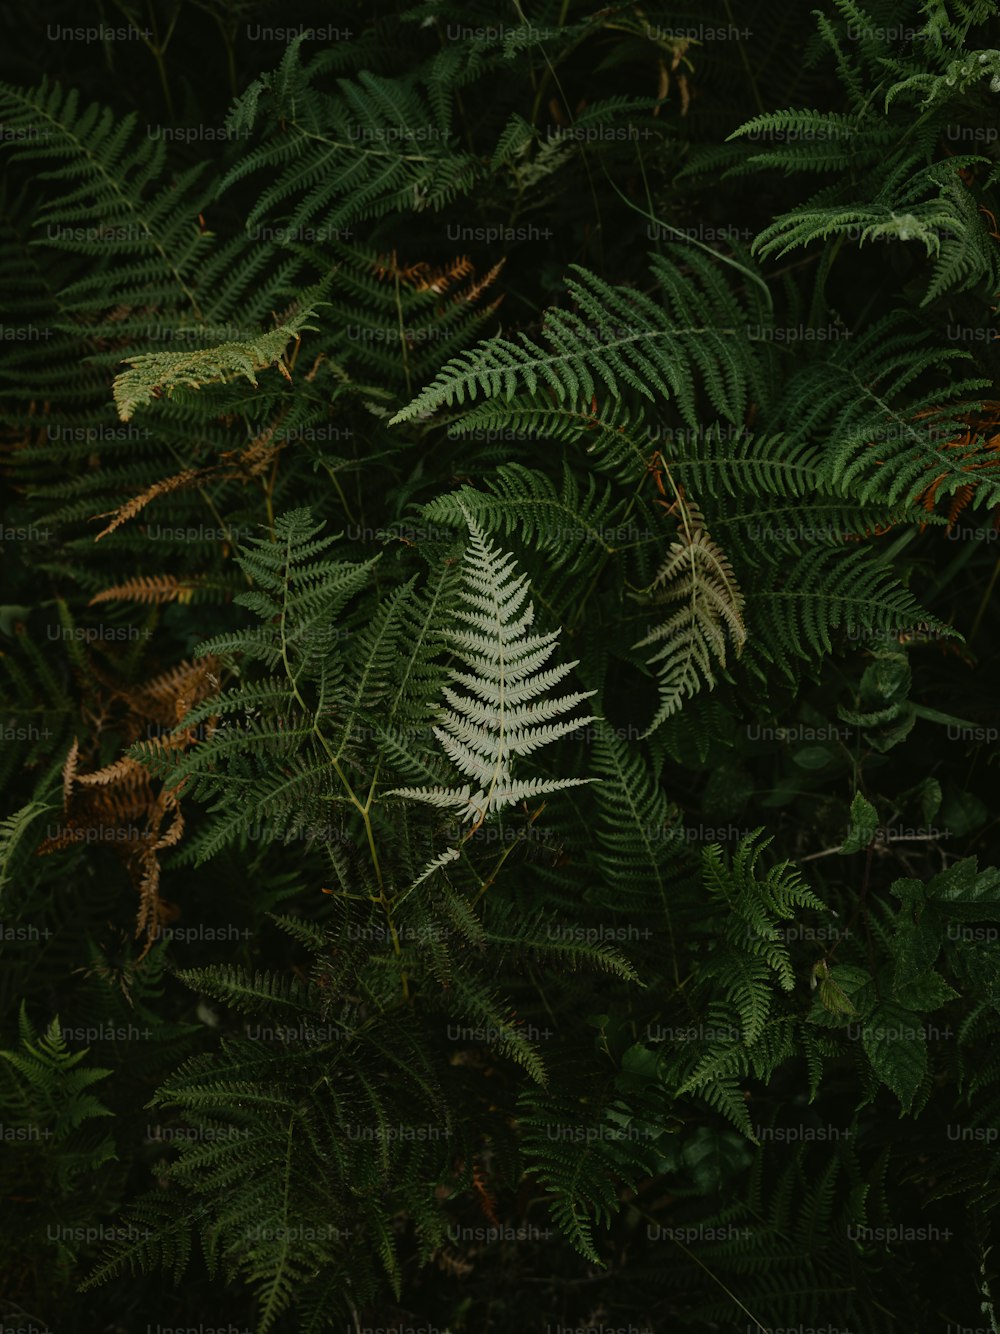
[{"x": 498, "y": 645}]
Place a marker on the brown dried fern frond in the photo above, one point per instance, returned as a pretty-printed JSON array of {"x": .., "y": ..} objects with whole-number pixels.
[
  {"x": 981, "y": 429},
  {"x": 475, "y": 290},
  {"x": 179, "y": 481},
  {"x": 423, "y": 277},
  {"x": 153, "y": 913},
  {"x": 157, "y": 588},
  {"x": 123, "y": 806},
  {"x": 486, "y": 1198},
  {"x": 258, "y": 454},
  {"x": 176, "y": 828},
  {"x": 69, "y": 771},
  {"x": 120, "y": 804},
  {"x": 171, "y": 695},
  {"x": 120, "y": 772},
  {"x": 150, "y": 917}
]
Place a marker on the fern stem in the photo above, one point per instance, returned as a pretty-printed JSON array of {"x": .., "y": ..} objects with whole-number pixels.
[
  {"x": 714, "y": 1277},
  {"x": 503, "y": 856},
  {"x": 751, "y": 77},
  {"x": 363, "y": 810},
  {"x": 157, "y": 48},
  {"x": 402, "y": 330},
  {"x": 984, "y": 602},
  {"x": 549, "y": 72},
  {"x": 220, "y": 521},
  {"x": 351, "y": 144},
  {"x": 227, "y": 32},
  {"x": 165, "y": 86},
  {"x": 340, "y": 491},
  {"x": 693, "y": 240},
  {"x": 269, "y": 497}
]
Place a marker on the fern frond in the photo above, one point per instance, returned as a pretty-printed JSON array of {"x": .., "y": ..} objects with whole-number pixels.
[
  {"x": 573, "y": 525},
  {"x": 155, "y": 373},
  {"x": 145, "y": 588},
  {"x": 131, "y": 508},
  {"x": 825, "y": 591},
  {"x": 13, "y": 830},
  {"x": 350, "y": 155},
  {"x": 698, "y": 574},
  {"x": 618, "y": 337},
  {"x": 580, "y": 1156},
  {"x": 501, "y": 717}
]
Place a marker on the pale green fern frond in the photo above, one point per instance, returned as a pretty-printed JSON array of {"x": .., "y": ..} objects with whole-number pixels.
[
  {"x": 153, "y": 373},
  {"x": 502, "y": 715},
  {"x": 698, "y": 574}
]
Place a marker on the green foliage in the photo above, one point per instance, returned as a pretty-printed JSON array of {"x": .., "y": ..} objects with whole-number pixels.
[
  {"x": 619, "y": 337},
  {"x": 153, "y": 373},
  {"x": 497, "y": 668},
  {"x": 344, "y": 152},
  {"x": 54, "y": 1155}
]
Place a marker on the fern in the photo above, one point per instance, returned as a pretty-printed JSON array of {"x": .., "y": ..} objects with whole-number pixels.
[
  {"x": 482, "y": 342},
  {"x": 102, "y": 173},
  {"x": 54, "y": 1152},
  {"x": 153, "y": 373},
  {"x": 371, "y": 147},
  {"x": 618, "y": 337},
  {"x": 585, "y": 1153},
  {"x": 697, "y": 574},
  {"x": 501, "y": 716},
  {"x": 12, "y": 833}
]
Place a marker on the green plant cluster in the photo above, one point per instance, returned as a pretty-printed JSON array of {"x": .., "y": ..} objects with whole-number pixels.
[{"x": 498, "y": 649}]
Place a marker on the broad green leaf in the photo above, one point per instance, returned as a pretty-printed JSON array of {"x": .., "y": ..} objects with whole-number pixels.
[
  {"x": 864, "y": 823},
  {"x": 895, "y": 1043}
]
